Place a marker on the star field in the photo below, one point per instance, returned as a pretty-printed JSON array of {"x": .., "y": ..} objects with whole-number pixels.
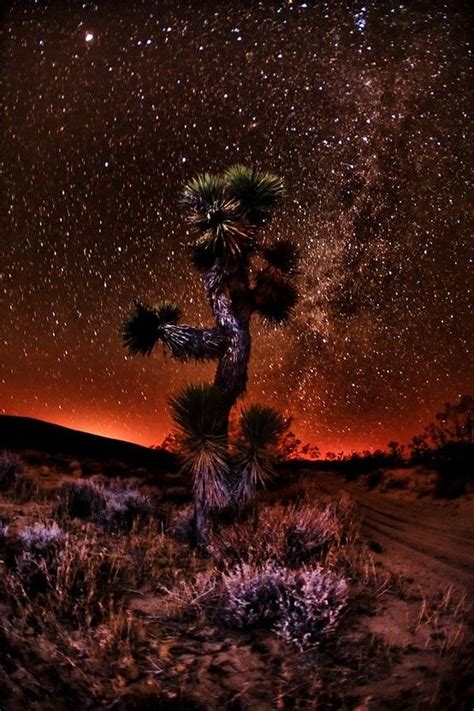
[{"x": 362, "y": 107}]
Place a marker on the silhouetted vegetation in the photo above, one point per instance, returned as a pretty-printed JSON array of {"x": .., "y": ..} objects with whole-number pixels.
[
  {"x": 226, "y": 213},
  {"x": 447, "y": 445}
]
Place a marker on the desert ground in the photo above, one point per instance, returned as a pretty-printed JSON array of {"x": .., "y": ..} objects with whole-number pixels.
[{"x": 113, "y": 608}]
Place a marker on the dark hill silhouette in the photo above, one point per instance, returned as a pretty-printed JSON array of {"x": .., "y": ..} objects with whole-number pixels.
[{"x": 28, "y": 433}]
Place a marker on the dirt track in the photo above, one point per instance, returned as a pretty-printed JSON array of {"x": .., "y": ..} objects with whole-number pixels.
[{"x": 433, "y": 539}]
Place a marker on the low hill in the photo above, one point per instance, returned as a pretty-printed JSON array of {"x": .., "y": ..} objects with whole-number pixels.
[{"x": 28, "y": 433}]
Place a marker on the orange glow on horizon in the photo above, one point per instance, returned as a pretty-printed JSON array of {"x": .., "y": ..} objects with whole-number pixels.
[{"x": 154, "y": 434}]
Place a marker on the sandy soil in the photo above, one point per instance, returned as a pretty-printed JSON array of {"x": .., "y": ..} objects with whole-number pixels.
[
  {"x": 427, "y": 538},
  {"x": 399, "y": 652}
]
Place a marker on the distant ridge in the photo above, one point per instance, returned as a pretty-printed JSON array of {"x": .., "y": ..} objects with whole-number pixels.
[{"x": 28, "y": 433}]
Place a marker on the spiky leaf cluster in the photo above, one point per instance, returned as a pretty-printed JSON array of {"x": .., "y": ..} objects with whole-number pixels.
[
  {"x": 141, "y": 328},
  {"x": 260, "y": 429},
  {"x": 257, "y": 192},
  {"x": 275, "y": 296},
  {"x": 282, "y": 255},
  {"x": 200, "y": 413},
  {"x": 225, "y": 211}
]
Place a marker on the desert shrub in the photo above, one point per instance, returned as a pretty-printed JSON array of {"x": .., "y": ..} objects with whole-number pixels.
[
  {"x": 302, "y": 607},
  {"x": 11, "y": 469},
  {"x": 182, "y": 525},
  {"x": 453, "y": 465},
  {"x": 287, "y": 535},
  {"x": 80, "y": 499},
  {"x": 310, "y": 532},
  {"x": 40, "y": 537},
  {"x": 115, "y": 508},
  {"x": 26, "y": 488},
  {"x": 36, "y": 565},
  {"x": 76, "y": 578},
  {"x": 124, "y": 508},
  {"x": 396, "y": 483}
]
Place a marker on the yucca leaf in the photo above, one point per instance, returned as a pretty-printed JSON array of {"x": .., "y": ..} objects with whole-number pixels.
[
  {"x": 223, "y": 230},
  {"x": 200, "y": 413},
  {"x": 261, "y": 427},
  {"x": 275, "y": 296},
  {"x": 167, "y": 312},
  {"x": 141, "y": 329},
  {"x": 283, "y": 255},
  {"x": 203, "y": 191},
  {"x": 257, "y": 192}
]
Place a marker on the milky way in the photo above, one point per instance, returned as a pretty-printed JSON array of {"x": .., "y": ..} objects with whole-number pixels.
[{"x": 362, "y": 108}]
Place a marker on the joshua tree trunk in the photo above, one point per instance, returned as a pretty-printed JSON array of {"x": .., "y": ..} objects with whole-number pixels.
[{"x": 231, "y": 304}]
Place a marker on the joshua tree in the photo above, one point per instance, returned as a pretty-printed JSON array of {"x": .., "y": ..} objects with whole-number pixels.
[{"x": 226, "y": 213}]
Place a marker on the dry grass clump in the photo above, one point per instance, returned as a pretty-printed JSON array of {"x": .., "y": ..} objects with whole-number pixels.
[
  {"x": 193, "y": 597},
  {"x": 288, "y": 535},
  {"x": 13, "y": 480},
  {"x": 182, "y": 525},
  {"x": 445, "y": 616},
  {"x": 11, "y": 469},
  {"x": 114, "y": 507},
  {"x": 76, "y": 578},
  {"x": 302, "y": 606}
]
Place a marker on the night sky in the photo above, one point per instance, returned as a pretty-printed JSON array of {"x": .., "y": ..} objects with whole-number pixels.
[{"x": 362, "y": 108}]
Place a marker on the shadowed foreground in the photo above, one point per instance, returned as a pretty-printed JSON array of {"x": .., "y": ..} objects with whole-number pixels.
[{"x": 331, "y": 601}]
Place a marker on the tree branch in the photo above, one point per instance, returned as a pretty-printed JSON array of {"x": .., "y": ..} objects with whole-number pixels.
[{"x": 187, "y": 342}]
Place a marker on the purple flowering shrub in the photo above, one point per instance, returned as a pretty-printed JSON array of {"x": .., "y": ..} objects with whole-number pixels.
[
  {"x": 301, "y": 606},
  {"x": 41, "y": 538}
]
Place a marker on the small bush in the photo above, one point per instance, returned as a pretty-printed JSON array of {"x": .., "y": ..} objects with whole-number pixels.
[
  {"x": 455, "y": 473},
  {"x": 37, "y": 563},
  {"x": 302, "y": 607},
  {"x": 76, "y": 578},
  {"x": 11, "y": 470},
  {"x": 182, "y": 527},
  {"x": 124, "y": 508},
  {"x": 375, "y": 478},
  {"x": 81, "y": 499},
  {"x": 39, "y": 537},
  {"x": 115, "y": 508},
  {"x": 287, "y": 535}
]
